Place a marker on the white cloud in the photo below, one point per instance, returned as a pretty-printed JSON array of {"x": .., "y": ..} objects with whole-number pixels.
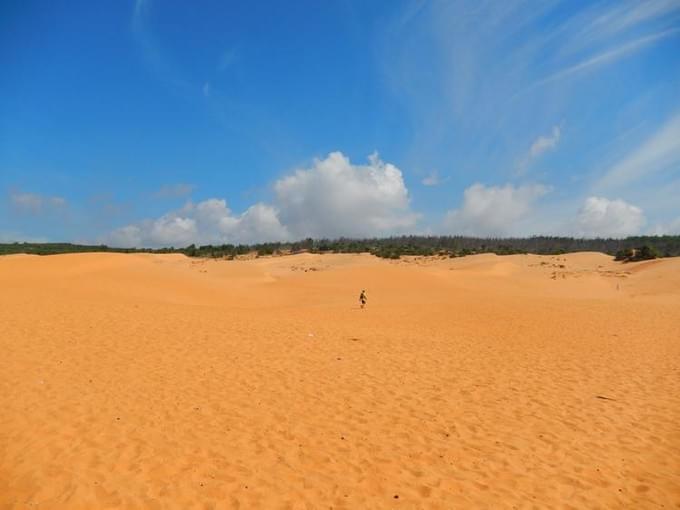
[
  {"x": 659, "y": 152},
  {"x": 336, "y": 198},
  {"x": 608, "y": 56},
  {"x": 206, "y": 89},
  {"x": 540, "y": 146},
  {"x": 129, "y": 236},
  {"x": 258, "y": 223},
  {"x": 208, "y": 222},
  {"x": 671, "y": 228},
  {"x": 173, "y": 230},
  {"x": 332, "y": 198},
  {"x": 601, "y": 217},
  {"x": 544, "y": 144},
  {"x": 493, "y": 210},
  {"x": 624, "y": 16},
  {"x": 481, "y": 54},
  {"x": 34, "y": 203}
]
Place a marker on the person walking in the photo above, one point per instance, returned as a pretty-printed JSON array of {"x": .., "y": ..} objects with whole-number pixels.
[{"x": 362, "y": 298}]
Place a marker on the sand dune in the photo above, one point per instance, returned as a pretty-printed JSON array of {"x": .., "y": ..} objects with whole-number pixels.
[{"x": 158, "y": 381}]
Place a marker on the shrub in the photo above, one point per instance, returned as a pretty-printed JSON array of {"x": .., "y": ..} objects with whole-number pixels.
[{"x": 645, "y": 252}]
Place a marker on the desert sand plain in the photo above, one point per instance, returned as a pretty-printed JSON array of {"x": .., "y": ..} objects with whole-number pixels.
[{"x": 159, "y": 381}]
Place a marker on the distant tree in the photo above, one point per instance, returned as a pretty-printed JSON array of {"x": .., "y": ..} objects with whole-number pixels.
[
  {"x": 648, "y": 253},
  {"x": 624, "y": 255},
  {"x": 631, "y": 248},
  {"x": 644, "y": 252},
  {"x": 264, "y": 249}
]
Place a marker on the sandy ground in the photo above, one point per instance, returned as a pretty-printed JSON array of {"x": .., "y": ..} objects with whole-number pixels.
[{"x": 157, "y": 381}]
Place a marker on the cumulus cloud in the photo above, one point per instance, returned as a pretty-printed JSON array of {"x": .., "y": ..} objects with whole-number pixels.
[
  {"x": 336, "y": 198},
  {"x": 601, "y": 217},
  {"x": 258, "y": 223},
  {"x": 173, "y": 230},
  {"x": 129, "y": 236},
  {"x": 208, "y": 222},
  {"x": 331, "y": 198},
  {"x": 34, "y": 203},
  {"x": 493, "y": 210}
]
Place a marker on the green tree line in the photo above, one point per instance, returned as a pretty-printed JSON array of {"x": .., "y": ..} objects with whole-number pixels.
[{"x": 630, "y": 248}]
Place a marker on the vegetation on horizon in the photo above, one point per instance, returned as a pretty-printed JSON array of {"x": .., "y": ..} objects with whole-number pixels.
[
  {"x": 644, "y": 252},
  {"x": 628, "y": 249}
]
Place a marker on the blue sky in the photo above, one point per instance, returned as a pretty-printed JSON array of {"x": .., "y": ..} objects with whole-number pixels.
[{"x": 154, "y": 123}]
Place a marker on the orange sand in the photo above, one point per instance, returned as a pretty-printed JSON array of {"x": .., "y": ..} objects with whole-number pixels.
[{"x": 157, "y": 381}]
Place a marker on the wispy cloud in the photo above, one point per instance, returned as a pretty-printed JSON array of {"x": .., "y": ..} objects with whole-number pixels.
[
  {"x": 487, "y": 61},
  {"x": 597, "y": 23},
  {"x": 35, "y": 204},
  {"x": 139, "y": 11},
  {"x": 14, "y": 237},
  {"x": 659, "y": 152},
  {"x": 608, "y": 56},
  {"x": 174, "y": 191},
  {"x": 432, "y": 179},
  {"x": 227, "y": 59},
  {"x": 158, "y": 61},
  {"x": 540, "y": 146},
  {"x": 630, "y": 14},
  {"x": 545, "y": 143}
]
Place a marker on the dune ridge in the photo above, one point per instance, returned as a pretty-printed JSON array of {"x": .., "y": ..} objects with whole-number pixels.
[{"x": 159, "y": 381}]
